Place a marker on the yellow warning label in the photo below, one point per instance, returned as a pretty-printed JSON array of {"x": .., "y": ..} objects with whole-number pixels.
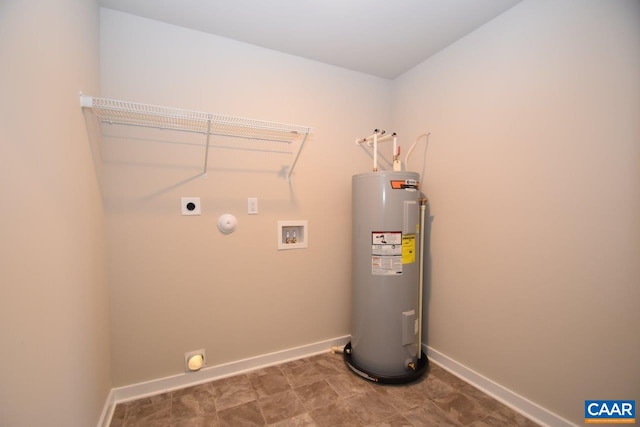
[{"x": 408, "y": 248}]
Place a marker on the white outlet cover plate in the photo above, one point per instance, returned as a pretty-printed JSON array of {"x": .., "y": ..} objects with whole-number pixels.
[
  {"x": 190, "y": 202},
  {"x": 252, "y": 206}
]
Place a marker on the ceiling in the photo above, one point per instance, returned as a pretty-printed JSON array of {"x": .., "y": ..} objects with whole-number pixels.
[{"x": 384, "y": 38}]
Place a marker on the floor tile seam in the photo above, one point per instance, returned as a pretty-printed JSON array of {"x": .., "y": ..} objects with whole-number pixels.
[
  {"x": 397, "y": 399},
  {"x": 432, "y": 400},
  {"x": 482, "y": 419},
  {"x": 349, "y": 405},
  {"x": 355, "y": 414},
  {"x": 313, "y": 382},
  {"x": 393, "y": 416},
  {"x": 496, "y": 413},
  {"x": 392, "y": 399},
  {"x": 297, "y": 398},
  {"x": 194, "y": 415},
  {"x": 446, "y": 414},
  {"x": 279, "y": 389},
  {"x": 400, "y": 410},
  {"x": 306, "y": 408},
  {"x": 330, "y": 365},
  {"x": 477, "y": 402},
  {"x": 255, "y": 390},
  {"x": 334, "y": 388},
  {"x": 347, "y": 401},
  {"x": 437, "y": 408},
  {"x": 255, "y": 394},
  {"x": 390, "y": 405},
  {"x": 439, "y": 395},
  {"x": 286, "y": 377},
  {"x": 128, "y": 408},
  {"x": 126, "y": 414},
  {"x": 264, "y": 418},
  {"x": 284, "y": 374},
  {"x": 338, "y": 401}
]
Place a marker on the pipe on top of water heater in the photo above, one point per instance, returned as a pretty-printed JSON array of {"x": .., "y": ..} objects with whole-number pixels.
[
  {"x": 369, "y": 138},
  {"x": 373, "y": 140}
]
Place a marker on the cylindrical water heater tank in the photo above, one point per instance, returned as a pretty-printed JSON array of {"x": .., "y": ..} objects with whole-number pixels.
[{"x": 385, "y": 278}]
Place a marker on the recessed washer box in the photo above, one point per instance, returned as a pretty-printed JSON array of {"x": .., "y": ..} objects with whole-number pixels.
[
  {"x": 190, "y": 205},
  {"x": 293, "y": 234}
]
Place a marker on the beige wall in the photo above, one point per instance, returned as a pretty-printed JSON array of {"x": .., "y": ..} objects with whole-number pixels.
[
  {"x": 54, "y": 362},
  {"x": 533, "y": 173},
  {"x": 177, "y": 284}
]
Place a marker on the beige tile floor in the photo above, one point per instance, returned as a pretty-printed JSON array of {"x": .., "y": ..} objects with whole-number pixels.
[{"x": 319, "y": 391}]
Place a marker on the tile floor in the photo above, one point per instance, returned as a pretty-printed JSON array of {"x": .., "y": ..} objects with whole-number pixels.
[{"x": 319, "y": 391}]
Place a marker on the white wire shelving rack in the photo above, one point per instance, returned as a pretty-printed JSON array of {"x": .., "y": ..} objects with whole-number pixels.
[{"x": 113, "y": 111}]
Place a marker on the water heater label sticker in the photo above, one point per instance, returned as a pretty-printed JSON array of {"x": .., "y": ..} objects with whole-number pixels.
[
  {"x": 386, "y": 265},
  {"x": 405, "y": 184},
  {"x": 386, "y": 253},
  {"x": 408, "y": 248}
]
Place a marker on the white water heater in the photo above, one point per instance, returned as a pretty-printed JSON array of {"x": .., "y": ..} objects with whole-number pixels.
[{"x": 385, "y": 343}]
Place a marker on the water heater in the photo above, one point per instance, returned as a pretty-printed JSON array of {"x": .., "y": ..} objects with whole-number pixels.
[{"x": 385, "y": 343}]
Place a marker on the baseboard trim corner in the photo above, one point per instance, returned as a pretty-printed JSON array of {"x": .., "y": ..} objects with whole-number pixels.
[
  {"x": 518, "y": 403},
  {"x": 107, "y": 411}
]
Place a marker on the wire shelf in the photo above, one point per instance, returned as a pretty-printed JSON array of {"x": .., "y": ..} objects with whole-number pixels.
[{"x": 259, "y": 133}]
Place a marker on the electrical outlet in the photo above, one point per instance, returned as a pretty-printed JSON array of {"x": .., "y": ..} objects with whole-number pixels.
[
  {"x": 252, "y": 206},
  {"x": 190, "y": 205},
  {"x": 199, "y": 360}
]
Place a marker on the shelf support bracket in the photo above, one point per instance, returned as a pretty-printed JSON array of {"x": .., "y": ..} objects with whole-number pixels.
[
  {"x": 206, "y": 151},
  {"x": 293, "y": 165}
]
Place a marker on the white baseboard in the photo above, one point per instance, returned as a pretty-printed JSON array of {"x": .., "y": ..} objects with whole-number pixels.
[
  {"x": 210, "y": 373},
  {"x": 518, "y": 403},
  {"x": 511, "y": 399}
]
